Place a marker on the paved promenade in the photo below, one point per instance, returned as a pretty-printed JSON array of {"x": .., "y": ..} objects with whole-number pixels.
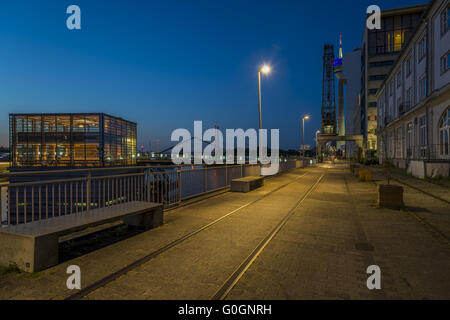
[{"x": 322, "y": 252}]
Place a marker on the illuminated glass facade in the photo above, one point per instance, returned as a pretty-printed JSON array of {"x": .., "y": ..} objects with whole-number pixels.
[
  {"x": 394, "y": 33},
  {"x": 71, "y": 140}
]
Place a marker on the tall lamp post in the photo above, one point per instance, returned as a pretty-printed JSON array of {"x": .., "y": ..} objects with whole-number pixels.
[
  {"x": 317, "y": 147},
  {"x": 303, "y": 134},
  {"x": 266, "y": 70}
]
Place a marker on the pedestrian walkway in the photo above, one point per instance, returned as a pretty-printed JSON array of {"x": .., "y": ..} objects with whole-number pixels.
[{"x": 322, "y": 252}]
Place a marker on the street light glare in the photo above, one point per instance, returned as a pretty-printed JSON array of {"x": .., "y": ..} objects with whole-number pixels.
[
  {"x": 265, "y": 69},
  {"x": 306, "y": 117}
]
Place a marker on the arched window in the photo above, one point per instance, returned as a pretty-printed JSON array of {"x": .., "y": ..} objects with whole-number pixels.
[{"x": 444, "y": 133}]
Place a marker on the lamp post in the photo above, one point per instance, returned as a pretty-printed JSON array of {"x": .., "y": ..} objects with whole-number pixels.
[
  {"x": 266, "y": 70},
  {"x": 317, "y": 147},
  {"x": 303, "y": 134}
]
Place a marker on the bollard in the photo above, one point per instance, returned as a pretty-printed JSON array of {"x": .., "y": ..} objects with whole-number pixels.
[
  {"x": 365, "y": 175},
  {"x": 353, "y": 167},
  {"x": 390, "y": 196}
]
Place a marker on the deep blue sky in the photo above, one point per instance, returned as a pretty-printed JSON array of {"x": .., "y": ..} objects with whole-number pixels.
[{"x": 164, "y": 64}]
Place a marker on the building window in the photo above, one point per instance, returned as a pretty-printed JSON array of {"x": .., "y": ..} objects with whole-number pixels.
[
  {"x": 445, "y": 63},
  {"x": 398, "y": 146},
  {"x": 391, "y": 145},
  {"x": 394, "y": 32},
  {"x": 373, "y": 91},
  {"x": 423, "y": 140},
  {"x": 423, "y": 88},
  {"x": 445, "y": 21},
  {"x": 399, "y": 38},
  {"x": 399, "y": 79},
  {"x": 409, "y": 139},
  {"x": 400, "y": 107},
  {"x": 391, "y": 88},
  {"x": 377, "y": 78},
  {"x": 372, "y": 104},
  {"x": 408, "y": 67},
  {"x": 444, "y": 133},
  {"x": 381, "y": 64},
  {"x": 408, "y": 101},
  {"x": 422, "y": 48}
]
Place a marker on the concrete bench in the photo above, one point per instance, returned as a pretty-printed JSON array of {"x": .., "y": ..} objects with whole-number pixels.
[
  {"x": 246, "y": 184},
  {"x": 34, "y": 246}
]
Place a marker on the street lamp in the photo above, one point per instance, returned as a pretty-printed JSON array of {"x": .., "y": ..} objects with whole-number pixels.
[
  {"x": 303, "y": 134},
  {"x": 266, "y": 70},
  {"x": 317, "y": 146}
]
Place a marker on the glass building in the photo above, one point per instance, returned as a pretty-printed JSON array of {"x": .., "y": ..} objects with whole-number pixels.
[
  {"x": 380, "y": 49},
  {"x": 71, "y": 140}
]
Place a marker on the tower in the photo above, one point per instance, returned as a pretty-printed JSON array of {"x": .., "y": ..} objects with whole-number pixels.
[
  {"x": 328, "y": 95},
  {"x": 341, "y": 83}
]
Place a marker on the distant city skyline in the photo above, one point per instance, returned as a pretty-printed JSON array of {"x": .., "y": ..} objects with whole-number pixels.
[{"x": 166, "y": 64}]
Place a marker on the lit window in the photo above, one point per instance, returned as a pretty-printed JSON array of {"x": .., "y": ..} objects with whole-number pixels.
[{"x": 398, "y": 40}]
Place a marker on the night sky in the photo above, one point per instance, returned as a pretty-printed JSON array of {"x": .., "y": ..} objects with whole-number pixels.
[{"x": 164, "y": 64}]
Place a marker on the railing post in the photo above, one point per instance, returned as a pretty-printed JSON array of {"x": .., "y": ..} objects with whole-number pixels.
[
  {"x": 148, "y": 186},
  {"x": 226, "y": 175},
  {"x": 2, "y": 212},
  {"x": 206, "y": 178},
  {"x": 179, "y": 183},
  {"x": 88, "y": 192}
]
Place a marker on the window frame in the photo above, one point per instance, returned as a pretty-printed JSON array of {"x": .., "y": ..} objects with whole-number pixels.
[
  {"x": 444, "y": 134},
  {"x": 422, "y": 47},
  {"x": 399, "y": 79},
  {"x": 445, "y": 20},
  {"x": 445, "y": 61},
  {"x": 408, "y": 66},
  {"x": 423, "y": 90}
]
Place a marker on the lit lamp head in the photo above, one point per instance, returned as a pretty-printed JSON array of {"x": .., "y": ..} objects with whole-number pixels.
[
  {"x": 265, "y": 69},
  {"x": 306, "y": 118}
]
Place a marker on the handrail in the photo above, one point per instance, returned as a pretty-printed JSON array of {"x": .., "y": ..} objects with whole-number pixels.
[
  {"x": 96, "y": 169},
  {"x": 41, "y": 199}
]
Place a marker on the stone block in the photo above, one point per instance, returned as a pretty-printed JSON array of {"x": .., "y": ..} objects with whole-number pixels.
[
  {"x": 246, "y": 184},
  {"x": 390, "y": 196}
]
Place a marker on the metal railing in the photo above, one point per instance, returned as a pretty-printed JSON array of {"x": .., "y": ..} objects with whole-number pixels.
[
  {"x": 431, "y": 152},
  {"x": 41, "y": 195}
]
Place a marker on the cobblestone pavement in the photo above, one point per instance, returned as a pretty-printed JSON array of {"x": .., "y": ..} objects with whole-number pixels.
[{"x": 322, "y": 252}]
